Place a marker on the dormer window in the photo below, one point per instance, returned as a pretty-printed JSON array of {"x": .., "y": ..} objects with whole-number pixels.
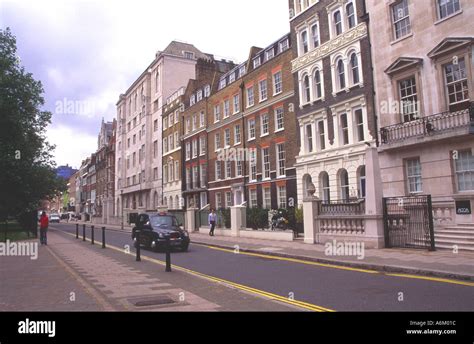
[
  {"x": 232, "y": 77},
  {"x": 256, "y": 62},
  {"x": 207, "y": 91},
  {"x": 189, "y": 55},
  {"x": 242, "y": 71},
  {"x": 192, "y": 101},
  {"x": 222, "y": 83},
  {"x": 284, "y": 45},
  {"x": 269, "y": 54}
]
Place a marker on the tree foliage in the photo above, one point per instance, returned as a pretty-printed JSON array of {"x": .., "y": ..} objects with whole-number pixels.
[{"x": 27, "y": 172}]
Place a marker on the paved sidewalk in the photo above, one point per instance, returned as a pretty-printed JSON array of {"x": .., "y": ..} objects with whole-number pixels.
[
  {"x": 109, "y": 280},
  {"x": 45, "y": 284},
  {"x": 442, "y": 263}
]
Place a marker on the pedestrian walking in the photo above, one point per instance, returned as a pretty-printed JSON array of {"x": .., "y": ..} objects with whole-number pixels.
[
  {"x": 212, "y": 221},
  {"x": 44, "y": 224}
]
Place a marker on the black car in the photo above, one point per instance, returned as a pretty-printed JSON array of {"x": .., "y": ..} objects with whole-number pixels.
[{"x": 157, "y": 229}]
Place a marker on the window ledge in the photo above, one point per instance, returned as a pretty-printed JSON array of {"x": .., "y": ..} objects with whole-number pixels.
[
  {"x": 264, "y": 135},
  {"x": 279, "y": 130},
  {"x": 439, "y": 21},
  {"x": 401, "y": 39}
]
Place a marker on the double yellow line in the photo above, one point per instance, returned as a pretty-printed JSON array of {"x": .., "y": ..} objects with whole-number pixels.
[
  {"x": 332, "y": 266},
  {"x": 254, "y": 291}
]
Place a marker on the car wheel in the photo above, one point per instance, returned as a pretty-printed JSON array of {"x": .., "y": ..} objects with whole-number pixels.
[{"x": 185, "y": 248}]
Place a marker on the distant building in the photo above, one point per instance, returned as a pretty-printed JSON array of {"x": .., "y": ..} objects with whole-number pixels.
[{"x": 65, "y": 172}]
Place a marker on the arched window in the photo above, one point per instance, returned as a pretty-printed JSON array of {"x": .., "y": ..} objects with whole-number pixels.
[
  {"x": 324, "y": 187},
  {"x": 355, "y": 69},
  {"x": 351, "y": 19},
  {"x": 304, "y": 42},
  {"x": 307, "y": 89},
  {"x": 171, "y": 203},
  {"x": 317, "y": 84},
  {"x": 177, "y": 202},
  {"x": 341, "y": 74},
  {"x": 165, "y": 202},
  {"x": 337, "y": 23},
  {"x": 344, "y": 185}
]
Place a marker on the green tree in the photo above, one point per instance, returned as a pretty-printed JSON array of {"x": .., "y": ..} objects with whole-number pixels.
[{"x": 27, "y": 172}]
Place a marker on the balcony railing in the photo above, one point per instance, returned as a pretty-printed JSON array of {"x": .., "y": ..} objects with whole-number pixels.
[
  {"x": 428, "y": 126},
  {"x": 350, "y": 207}
]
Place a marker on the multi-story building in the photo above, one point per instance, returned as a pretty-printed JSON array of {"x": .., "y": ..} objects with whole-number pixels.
[
  {"x": 424, "y": 82},
  {"x": 109, "y": 196},
  {"x": 195, "y": 122},
  {"x": 226, "y": 134},
  {"x": 91, "y": 202},
  {"x": 105, "y": 135},
  {"x": 139, "y": 113},
  {"x": 172, "y": 161},
  {"x": 269, "y": 130},
  {"x": 333, "y": 73}
]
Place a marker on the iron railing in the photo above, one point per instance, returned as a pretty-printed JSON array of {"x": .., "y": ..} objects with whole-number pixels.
[
  {"x": 429, "y": 125},
  {"x": 342, "y": 207},
  {"x": 408, "y": 222}
]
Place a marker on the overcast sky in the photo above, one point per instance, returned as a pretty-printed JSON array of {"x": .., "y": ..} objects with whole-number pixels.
[{"x": 87, "y": 53}]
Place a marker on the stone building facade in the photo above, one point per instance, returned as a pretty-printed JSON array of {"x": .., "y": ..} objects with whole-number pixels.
[
  {"x": 138, "y": 110},
  {"x": 424, "y": 83},
  {"x": 333, "y": 76}
]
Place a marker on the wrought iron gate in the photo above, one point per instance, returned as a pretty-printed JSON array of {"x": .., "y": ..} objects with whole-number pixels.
[{"x": 409, "y": 222}]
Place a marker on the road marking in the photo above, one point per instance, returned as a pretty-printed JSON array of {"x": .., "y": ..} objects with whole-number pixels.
[
  {"x": 426, "y": 278},
  {"x": 434, "y": 279},
  {"x": 262, "y": 293},
  {"x": 293, "y": 260}
]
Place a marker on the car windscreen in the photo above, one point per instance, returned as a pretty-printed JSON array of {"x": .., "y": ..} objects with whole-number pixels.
[{"x": 163, "y": 221}]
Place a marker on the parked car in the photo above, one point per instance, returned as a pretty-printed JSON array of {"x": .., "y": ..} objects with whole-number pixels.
[
  {"x": 156, "y": 229},
  {"x": 54, "y": 218}
]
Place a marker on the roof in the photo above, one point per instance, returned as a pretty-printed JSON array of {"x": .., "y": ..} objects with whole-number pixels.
[{"x": 176, "y": 48}]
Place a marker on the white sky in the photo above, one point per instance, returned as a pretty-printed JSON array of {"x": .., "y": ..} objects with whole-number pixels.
[{"x": 93, "y": 50}]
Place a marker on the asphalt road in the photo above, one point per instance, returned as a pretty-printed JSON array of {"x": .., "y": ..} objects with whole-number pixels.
[{"x": 328, "y": 287}]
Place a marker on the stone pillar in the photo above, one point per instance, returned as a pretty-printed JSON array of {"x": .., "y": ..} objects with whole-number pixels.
[
  {"x": 374, "y": 229},
  {"x": 190, "y": 224},
  {"x": 311, "y": 226},
  {"x": 237, "y": 215}
]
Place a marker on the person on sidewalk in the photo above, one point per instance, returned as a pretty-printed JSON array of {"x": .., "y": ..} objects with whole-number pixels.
[
  {"x": 212, "y": 221},
  {"x": 44, "y": 224}
]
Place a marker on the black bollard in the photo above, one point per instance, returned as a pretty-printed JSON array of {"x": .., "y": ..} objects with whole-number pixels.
[
  {"x": 168, "y": 254},
  {"x": 92, "y": 235},
  {"x": 103, "y": 237},
  {"x": 77, "y": 231},
  {"x": 137, "y": 236},
  {"x": 83, "y": 232}
]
